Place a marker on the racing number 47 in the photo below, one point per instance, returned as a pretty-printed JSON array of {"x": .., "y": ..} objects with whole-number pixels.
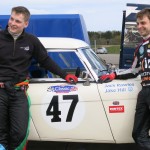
[{"x": 53, "y": 108}]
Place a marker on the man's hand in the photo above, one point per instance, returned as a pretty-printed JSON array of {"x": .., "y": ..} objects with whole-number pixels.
[
  {"x": 70, "y": 78},
  {"x": 107, "y": 78}
]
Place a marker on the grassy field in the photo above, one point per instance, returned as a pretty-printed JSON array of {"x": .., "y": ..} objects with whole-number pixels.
[{"x": 112, "y": 49}]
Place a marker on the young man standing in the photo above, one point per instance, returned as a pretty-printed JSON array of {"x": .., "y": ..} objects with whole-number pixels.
[
  {"x": 141, "y": 65},
  {"x": 17, "y": 49}
]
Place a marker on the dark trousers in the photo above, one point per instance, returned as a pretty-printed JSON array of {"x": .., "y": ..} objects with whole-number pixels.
[
  {"x": 142, "y": 120},
  {"x": 14, "y": 119}
]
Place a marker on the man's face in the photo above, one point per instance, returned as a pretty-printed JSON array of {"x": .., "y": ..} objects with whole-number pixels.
[
  {"x": 143, "y": 26},
  {"x": 17, "y": 23}
]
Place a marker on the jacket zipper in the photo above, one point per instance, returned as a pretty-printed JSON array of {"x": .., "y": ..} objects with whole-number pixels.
[{"x": 14, "y": 47}]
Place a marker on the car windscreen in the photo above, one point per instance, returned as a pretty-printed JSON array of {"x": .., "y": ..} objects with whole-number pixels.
[{"x": 98, "y": 65}]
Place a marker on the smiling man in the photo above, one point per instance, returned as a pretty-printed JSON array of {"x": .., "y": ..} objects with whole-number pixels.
[
  {"x": 143, "y": 24},
  {"x": 17, "y": 48},
  {"x": 141, "y": 65}
]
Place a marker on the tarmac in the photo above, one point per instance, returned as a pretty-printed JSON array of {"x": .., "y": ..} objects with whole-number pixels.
[
  {"x": 111, "y": 58},
  {"x": 33, "y": 145}
]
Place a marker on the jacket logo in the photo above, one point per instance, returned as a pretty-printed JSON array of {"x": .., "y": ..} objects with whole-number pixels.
[
  {"x": 141, "y": 50},
  {"x": 26, "y": 48}
]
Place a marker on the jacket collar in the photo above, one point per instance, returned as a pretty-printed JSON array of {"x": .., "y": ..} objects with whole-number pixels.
[
  {"x": 7, "y": 32},
  {"x": 146, "y": 38}
]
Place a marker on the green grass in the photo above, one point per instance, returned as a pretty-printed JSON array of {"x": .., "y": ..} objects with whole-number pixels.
[{"x": 113, "y": 49}]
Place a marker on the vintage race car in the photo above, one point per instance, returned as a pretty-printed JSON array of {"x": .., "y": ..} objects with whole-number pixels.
[{"x": 84, "y": 112}]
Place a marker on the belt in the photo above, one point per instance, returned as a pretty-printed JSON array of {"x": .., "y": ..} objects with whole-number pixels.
[{"x": 22, "y": 85}]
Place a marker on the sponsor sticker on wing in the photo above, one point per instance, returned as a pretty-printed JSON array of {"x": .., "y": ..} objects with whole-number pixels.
[{"x": 116, "y": 109}]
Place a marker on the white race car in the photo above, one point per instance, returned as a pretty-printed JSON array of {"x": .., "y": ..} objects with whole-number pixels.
[{"x": 84, "y": 112}]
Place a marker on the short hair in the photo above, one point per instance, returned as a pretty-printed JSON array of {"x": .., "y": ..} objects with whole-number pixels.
[
  {"x": 22, "y": 10},
  {"x": 143, "y": 12}
]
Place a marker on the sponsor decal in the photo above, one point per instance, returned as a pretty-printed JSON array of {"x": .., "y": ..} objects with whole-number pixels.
[
  {"x": 61, "y": 107},
  {"x": 148, "y": 50},
  {"x": 145, "y": 64},
  {"x": 119, "y": 87},
  {"x": 62, "y": 89},
  {"x": 116, "y": 109},
  {"x": 115, "y": 102},
  {"x": 141, "y": 50}
]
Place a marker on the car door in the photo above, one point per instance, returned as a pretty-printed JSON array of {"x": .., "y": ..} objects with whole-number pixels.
[
  {"x": 119, "y": 99},
  {"x": 68, "y": 112}
]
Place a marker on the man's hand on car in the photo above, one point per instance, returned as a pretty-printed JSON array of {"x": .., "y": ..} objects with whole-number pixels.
[
  {"x": 70, "y": 78},
  {"x": 107, "y": 77}
]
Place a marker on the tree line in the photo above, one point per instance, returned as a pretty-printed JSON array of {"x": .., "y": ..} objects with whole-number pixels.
[{"x": 105, "y": 38}]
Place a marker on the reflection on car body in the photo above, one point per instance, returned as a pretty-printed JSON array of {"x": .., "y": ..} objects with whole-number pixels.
[{"x": 85, "y": 112}]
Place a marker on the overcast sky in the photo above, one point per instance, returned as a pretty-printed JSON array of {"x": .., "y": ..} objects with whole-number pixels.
[{"x": 99, "y": 15}]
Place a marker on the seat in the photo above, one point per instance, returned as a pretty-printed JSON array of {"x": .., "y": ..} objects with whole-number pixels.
[{"x": 35, "y": 71}]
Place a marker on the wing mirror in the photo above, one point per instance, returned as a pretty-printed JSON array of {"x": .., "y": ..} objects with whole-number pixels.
[
  {"x": 85, "y": 76},
  {"x": 110, "y": 66}
]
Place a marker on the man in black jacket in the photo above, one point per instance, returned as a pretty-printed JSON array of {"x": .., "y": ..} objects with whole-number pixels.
[
  {"x": 141, "y": 65},
  {"x": 17, "y": 48}
]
